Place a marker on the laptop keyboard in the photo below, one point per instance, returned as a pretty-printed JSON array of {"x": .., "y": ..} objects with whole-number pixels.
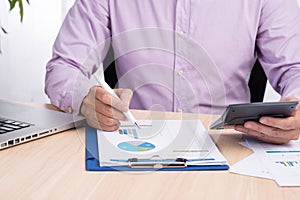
[{"x": 8, "y": 125}]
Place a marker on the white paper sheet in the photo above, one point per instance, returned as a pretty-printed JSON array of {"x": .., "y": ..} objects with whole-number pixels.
[
  {"x": 159, "y": 140},
  {"x": 282, "y": 161},
  {"x": 250, "y": 166},
  {"x": 278, "y": 162}
]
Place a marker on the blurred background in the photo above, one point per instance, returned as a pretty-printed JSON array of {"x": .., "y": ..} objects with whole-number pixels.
[{"x": 27, "y": 48}]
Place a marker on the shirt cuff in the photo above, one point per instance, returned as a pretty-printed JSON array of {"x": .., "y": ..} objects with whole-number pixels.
[
  {"x": 81, "y": 88},
  {"x": 292, "y": 88}
]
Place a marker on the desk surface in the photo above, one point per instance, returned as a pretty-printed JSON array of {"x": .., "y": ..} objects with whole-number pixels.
[{"x": 54, "y": 168}]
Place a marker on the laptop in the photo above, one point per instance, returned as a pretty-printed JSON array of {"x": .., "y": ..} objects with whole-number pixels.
[{"x": 20, "y": 123}]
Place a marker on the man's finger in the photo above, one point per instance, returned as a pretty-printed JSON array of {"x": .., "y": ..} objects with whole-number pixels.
[
  {"x": 96, "y": 124},
  {"x": 261, "y": 136},
  {"x": 107, "y": 121},
  {"x": 289, "y": 98},
  {"x": 125, "y": 95},
  {"x": 271, "y": 131},
  {"x": 110, "y": 100},
  {"x": 108, "y": 111},
  {"x": 287, "y": 123}
]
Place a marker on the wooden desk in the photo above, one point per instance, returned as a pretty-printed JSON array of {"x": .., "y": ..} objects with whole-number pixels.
[{"x": 54, "y": 168}]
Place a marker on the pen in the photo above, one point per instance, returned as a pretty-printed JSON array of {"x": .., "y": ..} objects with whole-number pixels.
[{"x": 128, "y": 114}]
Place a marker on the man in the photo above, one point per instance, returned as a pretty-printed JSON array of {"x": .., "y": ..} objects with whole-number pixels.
[{"x": 184, "y": 55}]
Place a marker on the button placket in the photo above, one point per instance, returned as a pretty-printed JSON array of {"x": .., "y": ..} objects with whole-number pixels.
[{"x": 181, "y": 28}]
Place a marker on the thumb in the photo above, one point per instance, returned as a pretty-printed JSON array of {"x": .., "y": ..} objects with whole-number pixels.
[
  {"x": 289, "y": 98},
  {"x": 292, "y": 98},
  {"x": 125, "y": 95}
]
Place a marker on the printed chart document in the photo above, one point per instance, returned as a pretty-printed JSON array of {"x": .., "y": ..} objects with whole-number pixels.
[
  {"x": 159, "y": 141},
  {"x": 278, "y": 162},
  {"x": 250, "y": 166}
]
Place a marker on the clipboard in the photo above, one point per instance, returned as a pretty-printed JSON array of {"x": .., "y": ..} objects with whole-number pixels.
[{"x": 92, "y": 159}]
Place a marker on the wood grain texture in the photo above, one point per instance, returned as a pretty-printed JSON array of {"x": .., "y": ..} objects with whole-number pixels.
[{"x": 54, "y": 168}]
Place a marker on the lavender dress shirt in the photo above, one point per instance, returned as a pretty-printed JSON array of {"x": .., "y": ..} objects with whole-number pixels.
[{"x": 176, "y": 55}]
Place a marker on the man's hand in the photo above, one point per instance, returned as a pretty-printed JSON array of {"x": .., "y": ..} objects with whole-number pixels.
[
  {"x": 275, "y": 130},
  {"x": 102, "y": 110}
]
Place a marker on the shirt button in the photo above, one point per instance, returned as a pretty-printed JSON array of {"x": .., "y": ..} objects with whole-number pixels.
[
  {"x": 70, "y": 109},
  {"x": 180, "y": 72},
  {"x": 179, "y": 110},
  {"x": 181, "y": 33}
]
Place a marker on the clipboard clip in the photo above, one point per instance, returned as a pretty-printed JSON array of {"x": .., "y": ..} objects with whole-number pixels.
[{"x": 157, "y": 163}]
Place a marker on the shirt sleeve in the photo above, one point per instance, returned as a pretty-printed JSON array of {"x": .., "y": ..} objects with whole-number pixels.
[
  {"x": 278, "y": 42},
  {"x": 78, "y": 51}
]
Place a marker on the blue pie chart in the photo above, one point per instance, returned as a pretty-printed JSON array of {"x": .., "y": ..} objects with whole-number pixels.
[{"x": 136, "y": 146}]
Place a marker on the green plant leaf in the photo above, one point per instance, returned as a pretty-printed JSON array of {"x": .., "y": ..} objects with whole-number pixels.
[
  {"x": 12, "y": 4},
  {"x": 21, "y": 9}
]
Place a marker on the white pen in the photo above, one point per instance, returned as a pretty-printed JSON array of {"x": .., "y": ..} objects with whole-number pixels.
[{"x": 128, "y": 114}]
